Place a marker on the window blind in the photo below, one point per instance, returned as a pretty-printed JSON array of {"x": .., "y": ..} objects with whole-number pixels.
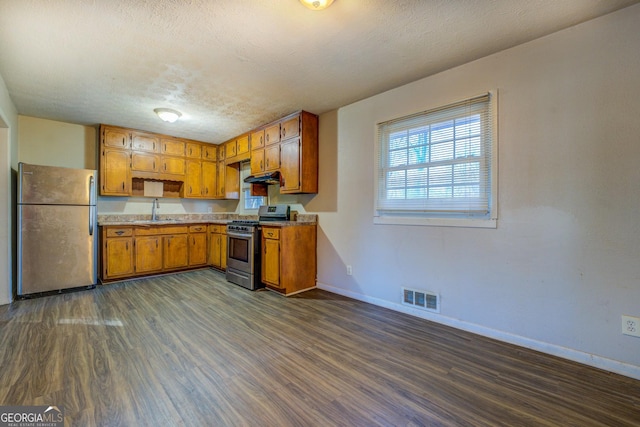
[{"x": 437, "y": 162}]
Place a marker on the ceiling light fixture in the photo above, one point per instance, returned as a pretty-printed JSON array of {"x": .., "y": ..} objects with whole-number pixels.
[
  {"x": 167, "y": 114},
  {"x": 317, "y": 4}
]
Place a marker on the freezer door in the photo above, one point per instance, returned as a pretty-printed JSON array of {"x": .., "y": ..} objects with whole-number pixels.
[
  {"x": 57, "y": 247},
  {"x": 48, "y": 185}
]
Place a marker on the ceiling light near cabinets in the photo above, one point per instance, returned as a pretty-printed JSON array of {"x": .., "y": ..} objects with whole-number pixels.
[
  {"x": 317, "y": 4},
  {"x": 167, "y": 114}
]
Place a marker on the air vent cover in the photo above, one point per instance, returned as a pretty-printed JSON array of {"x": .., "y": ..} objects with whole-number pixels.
[{"x": 425, "y": 300}]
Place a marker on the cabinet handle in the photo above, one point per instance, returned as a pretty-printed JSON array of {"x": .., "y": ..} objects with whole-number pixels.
[
  {"x": 261, "y": 167},
  {"x": 123, "y": 141},
  {"x": 261, "y": 139},
  {"x": 284, "y": 132},
  {"x": 156, "y": 243},
  {"x": 154, "y": 165},
  {"x": 165, "y": 148},
  {"x": 267, "y": 162},
  {"x": 267, "y": 137},
  {"x": 165, "y": 166},
  {"x": 122, "y": 185},
  {"x": 119, "y": 232},
  {"x": 154, "y": 146},
  {"x": 265, "y": 249},
  {"x": 190, "y": 151},
  {"x": 127, "y": 245}
]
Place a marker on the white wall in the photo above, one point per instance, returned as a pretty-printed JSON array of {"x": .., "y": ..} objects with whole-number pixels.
[
  {"x": 8, "y": 158},
  {"x": 53, "y": 143},
  {"x": 562, "y": 266}
]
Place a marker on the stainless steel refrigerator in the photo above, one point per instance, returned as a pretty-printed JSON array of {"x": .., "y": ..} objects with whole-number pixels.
[{"x": 57, "y": 232}]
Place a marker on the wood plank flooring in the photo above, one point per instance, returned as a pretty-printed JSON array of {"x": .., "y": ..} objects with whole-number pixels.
[{"x": 193, "y": 350}]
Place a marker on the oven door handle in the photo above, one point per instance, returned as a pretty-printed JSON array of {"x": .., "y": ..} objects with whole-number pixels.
[{"x": 240, "y": 235}]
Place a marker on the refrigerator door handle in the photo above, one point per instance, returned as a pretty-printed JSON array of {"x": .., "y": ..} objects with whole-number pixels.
[{"x": 92, "y": 189}]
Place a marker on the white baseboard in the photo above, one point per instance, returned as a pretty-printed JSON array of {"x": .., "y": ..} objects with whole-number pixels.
[{"x": 593, "y": 360}]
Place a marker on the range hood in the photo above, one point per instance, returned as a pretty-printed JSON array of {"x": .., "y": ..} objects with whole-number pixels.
[{"x": 267, "y": 178}]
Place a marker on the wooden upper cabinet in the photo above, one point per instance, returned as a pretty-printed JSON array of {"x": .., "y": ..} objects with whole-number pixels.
[
  {"x": 145, "y": 162},
  {"x": 209, "y": 152},
  {"x": 141, "y": 141},
  {"x": 173, "y": 165},
  {"x": 290, "y": 179},
  {"x": 209, "y": 180},
  {"x": 257, "y": 161},
  {"x": 272, "y": 134},
  {"x": 115, "y": 137},
  {"x": 242, "y": 145},
  {"x": 231, "y": 148},
  {"x": 272, "y": 158},
  {"x": 290, "y": 128},
  {"x": 194, "y": 150},
  {"x": 193, "y": 182},
  {"x": 257, "y": 140},
  {"x": 172, "y": 147},
  {"x": 299, "y": 154},
  {"x": 115, "y": 172},
  {"x": 221, "y": 152}
]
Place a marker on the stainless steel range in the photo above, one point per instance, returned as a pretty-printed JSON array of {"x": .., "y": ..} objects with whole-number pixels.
[{"x": 243, "y": 246}]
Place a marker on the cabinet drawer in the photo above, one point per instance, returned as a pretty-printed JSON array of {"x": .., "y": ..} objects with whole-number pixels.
[
  {"x": 217, "y": 228},
  {"x": 290, "y": 128},
  {"x": 197, "y": 228},
  {"x": 272, "y": 134},
  {"x": 119, "y": 232},
  {"x": 271, "y": 233}
]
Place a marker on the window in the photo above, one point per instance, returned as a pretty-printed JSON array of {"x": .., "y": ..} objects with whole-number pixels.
[
  {"x": 438, "y": 167},
  {"x": 252, "y": 202}
]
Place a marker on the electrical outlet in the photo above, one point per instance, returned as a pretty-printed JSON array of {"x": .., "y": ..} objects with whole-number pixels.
[
  {"x": 631, "y": 326},
  {"x": 349, "y": 270}
]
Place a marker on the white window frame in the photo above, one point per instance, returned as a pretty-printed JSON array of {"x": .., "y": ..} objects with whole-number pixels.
[{"x": 433, "y": 218}]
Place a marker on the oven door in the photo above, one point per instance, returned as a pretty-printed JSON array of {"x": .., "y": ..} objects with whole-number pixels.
[{"x": 240, "y": 248}]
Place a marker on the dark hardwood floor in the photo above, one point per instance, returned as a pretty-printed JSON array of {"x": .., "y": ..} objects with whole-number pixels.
[{"x": 193, "y": 350}]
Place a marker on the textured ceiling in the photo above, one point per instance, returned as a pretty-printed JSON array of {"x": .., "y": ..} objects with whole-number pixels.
[{"x": 232, "y": 65}]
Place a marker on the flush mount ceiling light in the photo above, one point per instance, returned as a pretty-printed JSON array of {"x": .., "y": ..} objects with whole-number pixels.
[
  {"x": 167, "y": 114},
  {"x": 317, "y": 4}
]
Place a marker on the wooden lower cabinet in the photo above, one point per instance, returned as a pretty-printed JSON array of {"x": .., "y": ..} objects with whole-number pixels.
[
  {"x": 118, "y": 255},
  {"x": 197, "y": 245},
  {"x": 289, "y": 258},
  {"x": 148, "y": 254},
  {"x": 141, "y": 250},
  {"x": 218, "y": 246}
]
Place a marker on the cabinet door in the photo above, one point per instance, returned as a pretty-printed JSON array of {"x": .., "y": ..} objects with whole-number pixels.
[
  {"x": 290, "y": 128},
  {"x": 272, "y": 134},
  {"x": 115, "y": 137},
  {"x": 173, "y": 165},
  {"x": 230, "y": 149},
  {"x": 208, "y": 180},
  {"x": 290, "y": 165},
  {"x": 148, "y": 254},
  {"x": 194, "y": 150},
  {"x": 242, "y": 145},
  {"x": 223, "y": 251},
  {"x": 220, "y": 182},
  {"x": 214, "y": 250},
  {"x": 257, "y": 161},
  {"x": 197, "y": 249},
  {"x": 209, "y": 152},
  {"x": 271, "y": 262},
  {"x": 257, "y": 140},
  {"x": 115, "y": 168},
  {"x": 175, "y": 251},
  {"x": 145, "y": 142},
  {"x": 172, "y": 147},
  {"x": 272, "y": 158},
  {"x": 118, "y": 257},
  {"x": 194, "y": 179},
  {"x": 144, "y": 162}
]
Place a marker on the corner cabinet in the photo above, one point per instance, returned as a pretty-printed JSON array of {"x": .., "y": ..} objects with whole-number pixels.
[{"x": 289, "y": 258}]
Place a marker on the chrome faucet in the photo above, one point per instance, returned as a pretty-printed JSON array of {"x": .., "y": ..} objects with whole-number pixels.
[{"x": 156, "y": 205}]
